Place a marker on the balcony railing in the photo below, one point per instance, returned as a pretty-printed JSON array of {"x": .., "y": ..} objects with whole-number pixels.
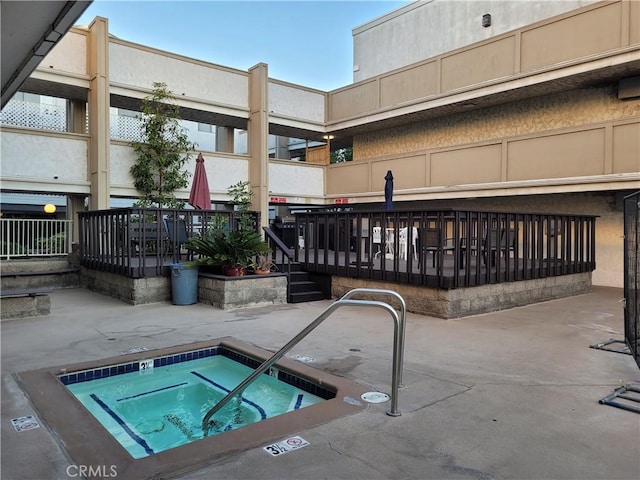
[
  {"x": 446, "y": 248},
  {"x": 142, "y": 242},
  {"x": 34, "y": 115},
  {"x": 20, "y": 237}
]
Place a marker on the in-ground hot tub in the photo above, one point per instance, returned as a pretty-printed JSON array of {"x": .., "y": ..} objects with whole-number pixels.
[{"x": 89, "y": 443}]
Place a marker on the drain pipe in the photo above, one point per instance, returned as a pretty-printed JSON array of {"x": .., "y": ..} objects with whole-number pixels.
[{"x": 397, "y": 357}]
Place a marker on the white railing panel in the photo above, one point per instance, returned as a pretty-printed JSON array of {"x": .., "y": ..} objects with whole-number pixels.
[
  {"x": 34, "y": 115},
  {"x": 21, "y": 237},
  {"x": 125, "y": 128}
]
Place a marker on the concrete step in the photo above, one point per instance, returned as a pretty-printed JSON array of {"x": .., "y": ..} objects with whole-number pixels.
[
  {"x": 38, "y": 273},
  {"x": 33, "y": 265}
]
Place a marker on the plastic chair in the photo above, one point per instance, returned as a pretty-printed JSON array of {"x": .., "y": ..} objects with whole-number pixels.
[
  {"x": 404, "y": 242},
  {"x": 434, "y": 245},
  {"x": 390, "y": 239},
  {"x": 376, "y": 239},
  {"x": 499, "y": 242},
  {"x": 177, "y": 233}
]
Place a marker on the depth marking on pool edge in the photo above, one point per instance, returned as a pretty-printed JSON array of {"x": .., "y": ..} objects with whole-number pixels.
[
  {"x": 280, "y": 448},
  {"x": 145, "y": 366}
]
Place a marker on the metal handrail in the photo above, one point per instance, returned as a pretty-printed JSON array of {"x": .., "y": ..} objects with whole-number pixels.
[
  {"x": 276, "y": 244},
  {"x": 398, "y": 344},
  {"x": 403, "y": 315}
]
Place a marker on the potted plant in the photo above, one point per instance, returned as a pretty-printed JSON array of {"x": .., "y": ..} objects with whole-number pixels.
[
  {"x": 233, "y": 251},
  {"x": 263, "y": 264},
  {"x": 243, "y": 247}
]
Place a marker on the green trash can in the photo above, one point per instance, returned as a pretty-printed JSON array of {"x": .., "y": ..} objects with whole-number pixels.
[{"x": 184, "y": 283}]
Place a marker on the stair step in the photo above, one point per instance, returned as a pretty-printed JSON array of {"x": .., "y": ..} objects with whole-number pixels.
[
  {"x": 302, "y": 286},
  {"x": 301, "y": 289},
  {"x": 299, "y": 277},
  {"x": 311, "y": 296},
  {"x": 295, "y": 266}
]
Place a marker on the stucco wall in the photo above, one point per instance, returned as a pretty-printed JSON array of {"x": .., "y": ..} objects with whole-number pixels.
[
  {"x": 431, "y": 27},
  {"x": 58, "y": 160},
  {"x": 298, "y": 179},
  {"x": 69, "y": 54},
  {"x": 222, "y": 170},
  {"x": 296, "y": 102},
  {"x": 138, "y": 67}
]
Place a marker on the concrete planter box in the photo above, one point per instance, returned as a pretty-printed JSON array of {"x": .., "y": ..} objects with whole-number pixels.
[{"x": 231, "y": 293}]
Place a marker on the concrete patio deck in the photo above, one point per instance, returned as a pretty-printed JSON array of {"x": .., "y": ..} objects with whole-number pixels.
[{"x": 507, "y": 395}]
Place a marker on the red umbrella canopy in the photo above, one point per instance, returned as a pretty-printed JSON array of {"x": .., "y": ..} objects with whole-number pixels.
[{"x": 199, "y": 196}]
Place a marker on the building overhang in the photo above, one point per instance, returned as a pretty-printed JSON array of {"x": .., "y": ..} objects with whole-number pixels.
[{"x": 29, "y": 31}]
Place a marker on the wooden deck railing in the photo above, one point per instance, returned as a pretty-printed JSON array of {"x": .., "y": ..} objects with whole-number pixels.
[
  {"x": 142, "y": 242},
  {"x": 437, "y": 248},
  {"x": 446, "y": 248}
]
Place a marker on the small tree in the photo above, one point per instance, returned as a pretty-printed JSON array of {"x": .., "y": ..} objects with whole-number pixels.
[
  {"x": 241, "y": 194},
  {"x": 163, "y": 152}
]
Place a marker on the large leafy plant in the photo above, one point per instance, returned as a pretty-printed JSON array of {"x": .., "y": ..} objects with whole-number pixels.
[
  {"x": 236, "y": 249},
  {"x": 225, "y": 246}
]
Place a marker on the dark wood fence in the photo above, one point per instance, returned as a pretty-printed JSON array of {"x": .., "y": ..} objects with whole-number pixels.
[
  {"x": 438, "y": 248},
  {"x": 141, "y": 242},
  {"x": 445, "y": 248}
]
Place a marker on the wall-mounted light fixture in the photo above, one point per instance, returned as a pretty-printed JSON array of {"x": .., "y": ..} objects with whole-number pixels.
[
  {"x": 49, "y": 208},
  {"x": 486, "y": 20}
]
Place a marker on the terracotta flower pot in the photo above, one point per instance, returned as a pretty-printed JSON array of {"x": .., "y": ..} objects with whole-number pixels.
[{"x": 233, "y": 271}]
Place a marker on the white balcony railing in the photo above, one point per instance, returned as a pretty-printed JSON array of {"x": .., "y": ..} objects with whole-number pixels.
[
  {"x": 20, "y": 237},
  {"x": 34, "y": 115}
]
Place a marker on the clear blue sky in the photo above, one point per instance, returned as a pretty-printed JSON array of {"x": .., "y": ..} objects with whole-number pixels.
[{"x": 303, "y": 42}]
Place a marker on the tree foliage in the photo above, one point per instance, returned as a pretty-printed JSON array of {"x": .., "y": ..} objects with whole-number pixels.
[
  {"x": 163, "y": 152},
  {"x": 341, "y": 155}
]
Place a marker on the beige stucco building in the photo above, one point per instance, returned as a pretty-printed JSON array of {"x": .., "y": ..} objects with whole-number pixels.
[{"x": 538, "y": 115}]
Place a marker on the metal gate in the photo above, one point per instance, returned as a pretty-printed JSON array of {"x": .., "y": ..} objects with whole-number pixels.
[{"x": 632, "y": 274}]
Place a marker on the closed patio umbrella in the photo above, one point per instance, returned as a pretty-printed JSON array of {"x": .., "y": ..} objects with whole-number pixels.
[
  {"x": 388, "y": 191},
  {"x": 199, "y": 197}
]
